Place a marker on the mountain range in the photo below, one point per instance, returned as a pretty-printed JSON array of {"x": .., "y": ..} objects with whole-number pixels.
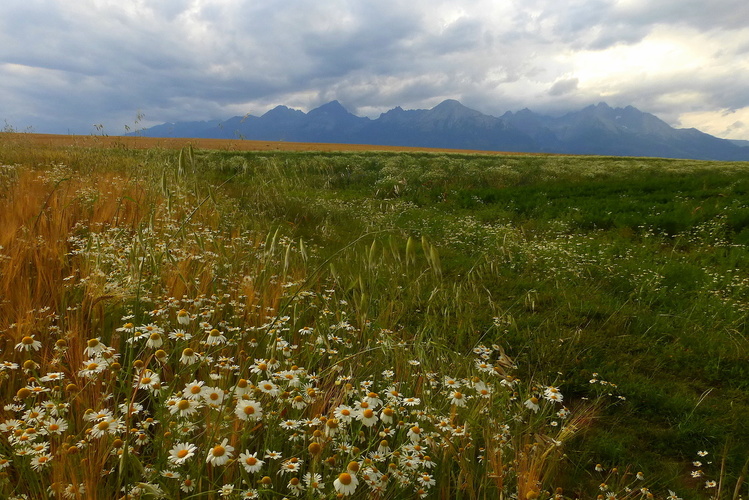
[{"x": 594, "y": 130}]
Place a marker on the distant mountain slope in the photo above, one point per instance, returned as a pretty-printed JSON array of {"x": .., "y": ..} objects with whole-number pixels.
[{"x": 599, "y": 130}]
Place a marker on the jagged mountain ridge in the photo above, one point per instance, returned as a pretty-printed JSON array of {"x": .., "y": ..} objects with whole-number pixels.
[{"x": 596, "y": 129}]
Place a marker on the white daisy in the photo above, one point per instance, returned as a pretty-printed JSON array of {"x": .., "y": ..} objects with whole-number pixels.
[
  {"x": 180, "y": 452},
  {"x": 346, "y": 484},
  {"x": 220, "y": 454}
]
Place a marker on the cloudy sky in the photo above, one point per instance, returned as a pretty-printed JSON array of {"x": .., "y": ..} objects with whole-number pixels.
[{"x": 66, "y": 65}]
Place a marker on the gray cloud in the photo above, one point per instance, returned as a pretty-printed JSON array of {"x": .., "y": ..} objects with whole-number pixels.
[
  {"x": 66, "y": 65},
  {"x": 562, "y": 87}
]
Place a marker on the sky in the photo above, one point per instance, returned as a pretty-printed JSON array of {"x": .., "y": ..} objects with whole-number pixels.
[{"x": 87, "y": 66}]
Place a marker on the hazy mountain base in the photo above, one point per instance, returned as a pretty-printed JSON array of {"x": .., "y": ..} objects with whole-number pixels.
[
  {"x": 632, "y": 271},
  {"x": 600, "y": 130}
]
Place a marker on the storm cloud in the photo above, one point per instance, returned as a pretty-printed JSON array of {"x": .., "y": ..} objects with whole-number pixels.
[{"x": 65, "y": 66}]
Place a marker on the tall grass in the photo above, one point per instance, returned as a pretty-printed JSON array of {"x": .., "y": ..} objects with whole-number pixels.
[{"x": 388, "y": 342}]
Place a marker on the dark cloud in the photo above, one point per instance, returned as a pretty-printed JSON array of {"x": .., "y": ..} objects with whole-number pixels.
[
  {"x": 66, "y": 65},
  {"x": 699, "y": 14}
]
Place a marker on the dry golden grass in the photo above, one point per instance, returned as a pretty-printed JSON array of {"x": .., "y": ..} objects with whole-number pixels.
[{"x": 223, "y": 144}]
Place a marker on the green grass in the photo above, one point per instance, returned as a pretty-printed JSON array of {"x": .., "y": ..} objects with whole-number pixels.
[{"x": 623, "y": 281}]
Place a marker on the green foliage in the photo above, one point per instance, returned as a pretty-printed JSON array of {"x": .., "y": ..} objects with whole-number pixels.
[{"x": 582, "y": 269}]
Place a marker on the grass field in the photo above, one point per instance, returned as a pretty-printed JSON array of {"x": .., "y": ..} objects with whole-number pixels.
[{"x": 251, "y": 321}]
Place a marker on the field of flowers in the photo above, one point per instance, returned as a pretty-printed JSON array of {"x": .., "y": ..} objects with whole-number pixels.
[{"x": 212, "y": 324}]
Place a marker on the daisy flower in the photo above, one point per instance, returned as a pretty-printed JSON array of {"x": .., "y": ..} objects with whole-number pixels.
[
  {"x": 291, "y": 465},
  {"x": 289, "y": 424},
  {"x": 28, "y": 343},
  {"x": 290, "y": 377},
  {"x": 295, "y": 486},
  {"x": 54, "y": 426},
  {"x": 214, "y": 396},
  {"x": 368, "y": 417},
  {"x": 426, "y": 480},
  {"x": 179, "y": 335},
  {"x": 269, "y": 388},
  {"x": 183, "y": 407},
  {"x": 41, "y": 461},
  {"x": 242, "y": 388},
  {"x": 106, "y": 426},
  {"x": 53, "y": 377},
  {"x": 215, "y": 337},
  {"x": 91, "y": 368},
  {"x": 146, "y": 380},
  {"x": 180, "y": 452},
  {"x": 386, "y": 415},
  {"x": 187, "y": 485},
  {"x": 553, "y": 394},
  {"x": 183, "y": 317},
  {"x": 414, "y": 433},
  {"x": 314, "y": 482},
  {"x": 248, "y": 409},
  {"x": 344, "y": 413},
  {"x": 458, "y": 398},
  {"x": 193, "y": 390},
  {"x": 189, "y": 356},
  {"x": 346, "y": 484},
  {"x": 532, "y": 404},
  {"x": 483, "y": 390},
  {"x": 451, "y": 383},
  {"x": 220, "y": 454},
  {"x": 373, "y": 399},
  {"x": 250, "y": 462}
]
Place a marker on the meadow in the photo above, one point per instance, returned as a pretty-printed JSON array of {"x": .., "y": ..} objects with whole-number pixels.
[{"x": 216, "y": 323}]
